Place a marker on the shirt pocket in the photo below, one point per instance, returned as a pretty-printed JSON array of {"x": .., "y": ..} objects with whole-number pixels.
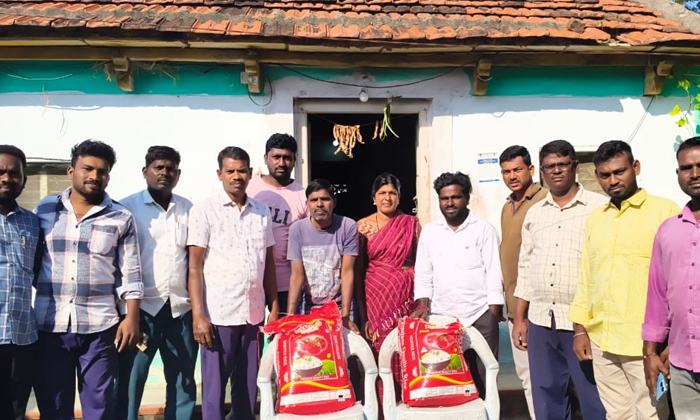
[
  {"x": 103, "y": 239},
  {"x": 470, "y": 255},
  {"x": 181, "y": 233},
  {"x": 28, "y": 244}
]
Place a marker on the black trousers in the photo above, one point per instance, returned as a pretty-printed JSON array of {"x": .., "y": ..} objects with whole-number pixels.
[{"x": 17, "y": 376}]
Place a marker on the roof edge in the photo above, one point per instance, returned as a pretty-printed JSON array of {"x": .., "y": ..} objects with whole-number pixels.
[{"x": 675, "y": 12}]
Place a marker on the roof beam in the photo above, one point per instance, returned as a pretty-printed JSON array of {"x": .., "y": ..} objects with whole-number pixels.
[{"x": 339, "y": 60}]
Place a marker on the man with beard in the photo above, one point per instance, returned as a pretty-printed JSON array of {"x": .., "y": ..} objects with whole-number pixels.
[
  {"x": 548, "y": 273},
  {"x": 672, "y": 303},
  {"x": 517, "y": 171},
  {"x": 609, "y": 306},
  {"x": 322, "y": 249},
  {"x": 19, "y": 257},
  {"x": 458, "y": 271},
  {"x": 286, "y": 201},
  {"x": 91, "y": 256},
  {"x": 166, "y": 318},
  {"x": 231, "y": 278}
]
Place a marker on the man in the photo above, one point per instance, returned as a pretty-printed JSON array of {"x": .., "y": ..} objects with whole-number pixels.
[
  {"x": 458, "y": 271},
  {"x": 672, "y": 304},
  {"x": 18, "y": 261},
  {"x": 91, "y": 256},
  {"x": 286, "y": 201},
  {"x": 517, "y": 171},
  {"x": 548, "y": 272},
  {"x": 323, "y": 249},
  {"x": 231, "y": 278},
  {"x": 608, "y": 308},
  {"x": 166, "y": 318}
]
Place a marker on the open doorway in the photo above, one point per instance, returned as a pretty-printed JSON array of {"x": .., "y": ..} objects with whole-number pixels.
[{"x": 353, "y": 177}]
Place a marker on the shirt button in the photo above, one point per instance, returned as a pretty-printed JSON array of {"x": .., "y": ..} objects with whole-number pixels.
[
  {"x": 551, "y": 284},
  {"x": 695, "y": 243},
  {"x": 693, "y": 337},
  {"x": 556, "y": 244},
  {"x": 617, "y": 220},
  {"x": 612, "y": 239},
  {"x": 558, "y": 227},
  {"x": 553, "y": 264}
]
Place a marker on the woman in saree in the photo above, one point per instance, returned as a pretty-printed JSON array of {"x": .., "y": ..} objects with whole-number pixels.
[{"x": 384, "y": 279}]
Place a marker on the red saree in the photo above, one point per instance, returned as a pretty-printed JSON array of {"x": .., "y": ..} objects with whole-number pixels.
[{"x": 389, "y": 279}]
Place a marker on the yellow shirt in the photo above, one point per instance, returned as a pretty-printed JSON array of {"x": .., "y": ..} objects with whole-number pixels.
[{"x": 612, "y": 291}]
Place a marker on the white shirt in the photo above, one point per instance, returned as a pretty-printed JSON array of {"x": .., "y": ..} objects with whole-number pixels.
[
  {"x": 163, "y": 243},
  {"x": 236, "y": 243},
  {"x": 459, "y": 270}
]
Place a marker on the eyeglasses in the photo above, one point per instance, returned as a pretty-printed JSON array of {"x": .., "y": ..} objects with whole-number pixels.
[{"x": 559, "y": 165}]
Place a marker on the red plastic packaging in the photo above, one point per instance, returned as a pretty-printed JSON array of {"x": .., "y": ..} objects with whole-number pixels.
[
  {"x": 312, "y": 373},
  {"x": 433, "y": 370}
]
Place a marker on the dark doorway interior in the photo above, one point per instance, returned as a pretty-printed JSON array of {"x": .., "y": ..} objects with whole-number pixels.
[{"x": 354, "y": 177}]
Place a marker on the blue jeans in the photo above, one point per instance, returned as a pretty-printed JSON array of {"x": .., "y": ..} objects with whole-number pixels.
[{"x": 175, "y": 340}]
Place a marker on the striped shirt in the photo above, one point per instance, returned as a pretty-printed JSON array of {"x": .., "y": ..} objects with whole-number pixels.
[
  {"x": 550, "y": 256},
  {"x": 19, "y": 238},
  {"x": 86, "y": 265}
]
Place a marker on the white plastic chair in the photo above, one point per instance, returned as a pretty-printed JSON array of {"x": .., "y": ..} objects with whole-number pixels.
[
  {"x": 477, "y": 409},
  {"x": 354, "y": 346}
]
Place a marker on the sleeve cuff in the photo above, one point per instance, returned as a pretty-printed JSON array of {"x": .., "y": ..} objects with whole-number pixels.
[
  {"x": 578, "y": 315},
  {"x": 654, "y": 333},
  {"x": 496, "y": 299},
  {"x": 521, "y": 293},
  {"x": 131, "y": 291}
]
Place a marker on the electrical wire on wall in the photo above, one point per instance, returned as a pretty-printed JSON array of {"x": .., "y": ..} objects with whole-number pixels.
[
  {"x": 366, "y": 86},
  {"x": 269, "y": 100}
]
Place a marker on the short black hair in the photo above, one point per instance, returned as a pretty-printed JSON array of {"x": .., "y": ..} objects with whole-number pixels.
[
  {"x": 456, "y": 178},
  {"x": 512, "y": 152},
  {"x": 281, "y": 141},
  {"x": 557, "y": 147},
  {"x": 385, "y": 179},
  {"x": 8, "y": 149},
  {"x": 235, "y": 153},
  {"x": 94, "y": 148},
  {"x": 162, "y": 152},
  {"x": 318, "y": 185},
  {"x": 688, "y": 144},
  {"x": 611, "y": 149}
]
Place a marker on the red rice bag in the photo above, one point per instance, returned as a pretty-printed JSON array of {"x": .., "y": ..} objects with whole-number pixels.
[
  {"x": 433, "y": 370},
  {"x": 312, "y": 373}
]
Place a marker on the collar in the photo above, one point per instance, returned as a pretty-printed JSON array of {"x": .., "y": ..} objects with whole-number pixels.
[
  {"x": 635, "y": 201},
  {"x": 532, "y": 190},
  {"x": 64, "y": 197},
  {"x": 16, "y": 210},
  {"x": 580, "y": 197},
  {"x": 686, "y": 214},
  {"x": 225, "y": 200},
  {"x": 469, "y": 220},
  {"x": 148, "y": 199}
]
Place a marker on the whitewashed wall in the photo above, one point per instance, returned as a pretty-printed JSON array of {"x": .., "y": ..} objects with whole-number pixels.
[{"x": 461, "y": 127}]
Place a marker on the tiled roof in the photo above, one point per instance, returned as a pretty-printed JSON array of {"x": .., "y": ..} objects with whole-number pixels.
[{"x": 336, "y": 22}]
